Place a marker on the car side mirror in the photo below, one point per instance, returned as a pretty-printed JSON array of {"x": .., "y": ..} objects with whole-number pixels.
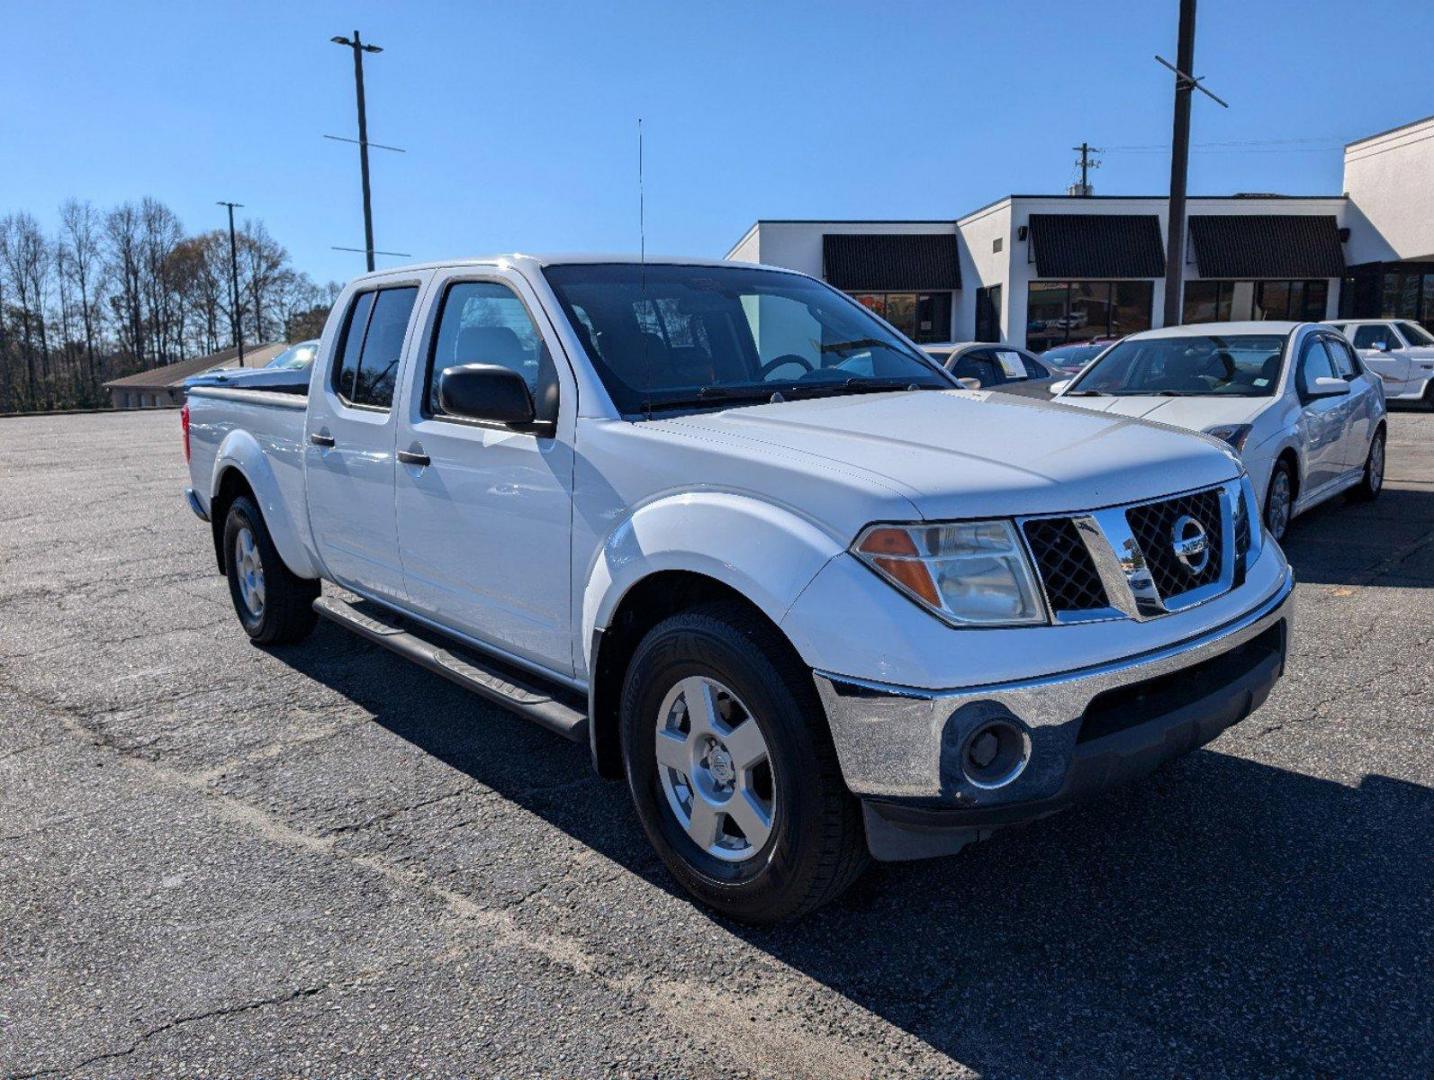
[
  {"x": 968, "y": 383},
  {"x": 1326, "y": 386},
  {"x": 1058, "y": 387},
  {"x": 486, "y": 392},
  {"x": 1381, "y": 346}
]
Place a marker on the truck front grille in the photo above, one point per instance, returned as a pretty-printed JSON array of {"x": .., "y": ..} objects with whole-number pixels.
[
  {"x": 1068, "y": 572},
  {"x": 1153, "y": 526}
]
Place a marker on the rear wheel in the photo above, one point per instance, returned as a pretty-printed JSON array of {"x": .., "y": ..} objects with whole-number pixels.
[
  {"x": 1372, "y": 482},
  {"x": 732, "y": 770},
  {"x": 274, "y": 606},
  {"x": 1279, "y": 500}
]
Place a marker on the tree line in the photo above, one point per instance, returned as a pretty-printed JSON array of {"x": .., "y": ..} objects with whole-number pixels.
[{"x": 113, "y": 292}]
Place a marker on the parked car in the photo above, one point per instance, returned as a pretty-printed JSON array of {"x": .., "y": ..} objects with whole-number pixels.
[
  {"x": 981, "y": 365},
  {"x": 739, "y": 536},
  {"x": 287, "y": 372},
  {"x": 1071, "y": 358},
  {"x": 1293, "y": 399},
  {"x": 1400, "y": 352}
]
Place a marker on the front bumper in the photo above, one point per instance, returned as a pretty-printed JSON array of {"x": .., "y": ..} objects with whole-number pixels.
[{"x": 902, "y": 749}]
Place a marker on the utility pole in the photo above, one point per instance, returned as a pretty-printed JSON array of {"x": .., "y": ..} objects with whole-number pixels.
[
  {"x": 1086, "y": 164},
  {"x": 1185, "y": 85},
  {"x": 234, "y": 282},
  {"x": 359, "y": 48}
]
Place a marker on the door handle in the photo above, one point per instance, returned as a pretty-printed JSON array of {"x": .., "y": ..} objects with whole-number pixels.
[
  {"x": 414, "y": 457},
  {"x": 319, "y": 439}
]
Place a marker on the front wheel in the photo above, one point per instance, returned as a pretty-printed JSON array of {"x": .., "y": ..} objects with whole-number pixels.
[
  {"x": 732, "y": 769},
  {"x": 1372, "y": 482},
  {"x": 274, "y": 605},
  {"x": 1279, "y": 501}
]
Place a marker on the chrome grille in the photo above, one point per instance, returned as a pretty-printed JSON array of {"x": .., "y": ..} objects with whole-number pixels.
[
  {"x": 1153, "y": 526},
  {"x": 1068, "y": 572}
]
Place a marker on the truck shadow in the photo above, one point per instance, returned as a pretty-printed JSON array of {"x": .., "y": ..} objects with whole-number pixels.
[{"x": 1223, "y": 916}]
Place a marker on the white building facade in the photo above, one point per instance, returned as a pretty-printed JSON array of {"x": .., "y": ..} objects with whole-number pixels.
[{"x": 1046, "y": 270}]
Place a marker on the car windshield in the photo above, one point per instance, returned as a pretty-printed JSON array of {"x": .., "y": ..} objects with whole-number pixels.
[
  {"x": 296, "y": 356},
  {"x": 679, "y": 337},
  {"x": 1416, "y": 334},
  {"x": 1237, "y": 365},
  {"x": 1071, "y": 355}
]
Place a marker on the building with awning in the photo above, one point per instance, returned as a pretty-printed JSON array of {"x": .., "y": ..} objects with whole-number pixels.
[{"x": 1046, "y": 270}]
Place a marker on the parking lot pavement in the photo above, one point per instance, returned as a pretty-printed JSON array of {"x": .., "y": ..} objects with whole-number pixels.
[{"x": 217, "y": 859}]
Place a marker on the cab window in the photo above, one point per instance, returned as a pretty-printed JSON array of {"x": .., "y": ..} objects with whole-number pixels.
[
  {"x": 485, "y": 322},
  {"x": 372, "y": 346},
  {"x": 1371, "y": 337}
]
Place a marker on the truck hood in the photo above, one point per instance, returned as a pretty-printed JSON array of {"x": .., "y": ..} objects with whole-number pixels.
[
  {"x": 961, "y": 453},
  {"x": 1195, "y": 413}
]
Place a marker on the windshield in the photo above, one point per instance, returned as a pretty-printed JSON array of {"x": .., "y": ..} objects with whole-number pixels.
[
  {"x": 665, "y": 336},
  {"x": 1071, "y": 355},
  {"x": 296, "y": 356},
  {"x": 1415, "y": 334},
  {"x": 1239, "y": 365}
]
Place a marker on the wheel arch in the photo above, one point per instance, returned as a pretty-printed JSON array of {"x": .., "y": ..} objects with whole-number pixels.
[
  {"x": 241, "y": 466},
  {"x": 645, "y": 604}
]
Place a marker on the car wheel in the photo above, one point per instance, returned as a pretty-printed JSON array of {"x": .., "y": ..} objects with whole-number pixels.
[
  {"x": 1372, "y": 482},
  {"x": 732, "y": 770},
  {"x": 1279, "y": 501},
  {"x": 274, "y": 606}
]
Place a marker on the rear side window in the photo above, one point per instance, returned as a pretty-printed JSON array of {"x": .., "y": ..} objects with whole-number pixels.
[
  {"x": 1346, "y": 366},
  {"x": 373, "y": 345}
]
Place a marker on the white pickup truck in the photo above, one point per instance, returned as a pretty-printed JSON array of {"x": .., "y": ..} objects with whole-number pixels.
[{"x": 811, "y": 599}]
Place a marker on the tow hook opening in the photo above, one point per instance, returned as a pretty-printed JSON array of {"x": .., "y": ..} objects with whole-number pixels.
[{"x": 994, "y": 754}]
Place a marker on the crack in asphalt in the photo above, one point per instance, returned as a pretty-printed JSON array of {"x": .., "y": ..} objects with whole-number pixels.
[{"x": 170, "y": 1025}]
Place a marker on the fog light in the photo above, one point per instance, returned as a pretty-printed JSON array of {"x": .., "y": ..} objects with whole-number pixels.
[{"x": 995, "y": 754}]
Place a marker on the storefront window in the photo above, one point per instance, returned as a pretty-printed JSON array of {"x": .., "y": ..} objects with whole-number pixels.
[
  {"x": 1226, "y": 301},
  {"x": 922, "y": 317},
  {"x": 1058, "y": 312}
]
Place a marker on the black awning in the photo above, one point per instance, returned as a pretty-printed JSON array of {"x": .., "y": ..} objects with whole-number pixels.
[
  {"x": 1267, "y": 245},
  {"x": 1097, "y": 245},
  {"x": 886, "y": 262}
]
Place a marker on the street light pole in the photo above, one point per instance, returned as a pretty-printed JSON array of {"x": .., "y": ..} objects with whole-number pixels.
[
  {"x": 234, "y": 282},
  {"x": 1179, "y": 163},
  {"x": 359, "y": 48}
]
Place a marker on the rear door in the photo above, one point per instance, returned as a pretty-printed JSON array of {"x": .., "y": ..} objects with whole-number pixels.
[
  {"x": 485, "y": 511},
  {"x": 1383, "y": 353},
  {"x": 1364, "y": 402},
  {"x": 349, "y": 454}
]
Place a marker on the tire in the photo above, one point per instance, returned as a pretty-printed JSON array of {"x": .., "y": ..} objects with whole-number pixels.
[
  {"x": 1279, "y": 501},
  {"x": 280, "y": 610},
  {"x": 814, "y": 845},
  {"x": 1372, "y": 482}
]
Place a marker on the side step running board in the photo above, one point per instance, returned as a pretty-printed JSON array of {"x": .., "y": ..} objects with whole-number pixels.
[{"x": 490, "y": 678}]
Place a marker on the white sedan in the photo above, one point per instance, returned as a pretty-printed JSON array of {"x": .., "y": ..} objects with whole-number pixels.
[{"x": 1293, "y": 399}]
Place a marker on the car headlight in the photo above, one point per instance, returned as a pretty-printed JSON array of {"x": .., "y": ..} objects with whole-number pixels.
[
  {"x": 970, "y": 573},
  {"x": 1234, "y": 434}
]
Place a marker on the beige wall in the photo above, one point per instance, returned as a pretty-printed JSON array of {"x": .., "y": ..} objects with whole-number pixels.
[{"x": 1389, "y": 179}]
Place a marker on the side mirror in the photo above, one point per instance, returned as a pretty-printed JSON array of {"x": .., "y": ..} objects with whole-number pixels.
[
  {"x": 968, "y": 383},
  {"x": 1381, "y": 346},
  {"x": 486, "y": 392},
  {"x": 1058, "y": 387},
  {"x": 1325, "y": 386}
]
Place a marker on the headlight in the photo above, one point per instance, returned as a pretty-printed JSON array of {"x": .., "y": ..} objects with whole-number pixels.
[
  {"x": 1234, "y": 434},
  {"x": 972, "y": 573}
]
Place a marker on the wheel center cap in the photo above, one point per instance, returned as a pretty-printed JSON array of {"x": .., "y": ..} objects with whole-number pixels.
[{"x": 720, "y": 762}]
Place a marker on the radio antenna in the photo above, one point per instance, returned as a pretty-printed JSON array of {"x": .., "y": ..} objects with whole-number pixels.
[{"x": 642, "y": 270}]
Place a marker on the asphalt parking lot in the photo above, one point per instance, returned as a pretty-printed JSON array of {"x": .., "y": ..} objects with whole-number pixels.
[{"x": 320, "y": 860}]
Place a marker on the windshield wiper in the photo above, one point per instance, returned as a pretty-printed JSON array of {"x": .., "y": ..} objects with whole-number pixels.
[
  {"x": 709, "y": 395},
  {"x": 1084, "y": 393}
]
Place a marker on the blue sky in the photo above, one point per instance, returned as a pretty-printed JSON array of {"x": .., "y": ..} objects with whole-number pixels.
[{"x": 520, "y": 118}]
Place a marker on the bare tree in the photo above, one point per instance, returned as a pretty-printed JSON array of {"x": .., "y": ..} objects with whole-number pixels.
[
  {"x": 126, "y": 268},
  {"x": 25, "y": 262},
  {"x": 80, "y": 242}
]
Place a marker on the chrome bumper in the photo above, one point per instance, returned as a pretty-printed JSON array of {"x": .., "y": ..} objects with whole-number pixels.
[{"x": 900, "y": 747}]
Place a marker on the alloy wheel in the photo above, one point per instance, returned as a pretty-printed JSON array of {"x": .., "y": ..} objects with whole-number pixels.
[
  {"x": 1277, "y": 504},
  {"x": 715, "y": 769},
  {"x": 249, "y": 570}
]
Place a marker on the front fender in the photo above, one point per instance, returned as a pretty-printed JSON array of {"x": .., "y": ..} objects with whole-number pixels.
[
  {"x": 280, "y": 498},
  {"x": 765, "y": 552}
]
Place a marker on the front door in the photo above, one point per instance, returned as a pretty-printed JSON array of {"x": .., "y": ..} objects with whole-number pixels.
[
  {"x": 1383, "y": 353},
  {"x": 485, "y": 511},
  {"x": 1323, "y": 417},
  {"x": 349, "y": 454}
]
